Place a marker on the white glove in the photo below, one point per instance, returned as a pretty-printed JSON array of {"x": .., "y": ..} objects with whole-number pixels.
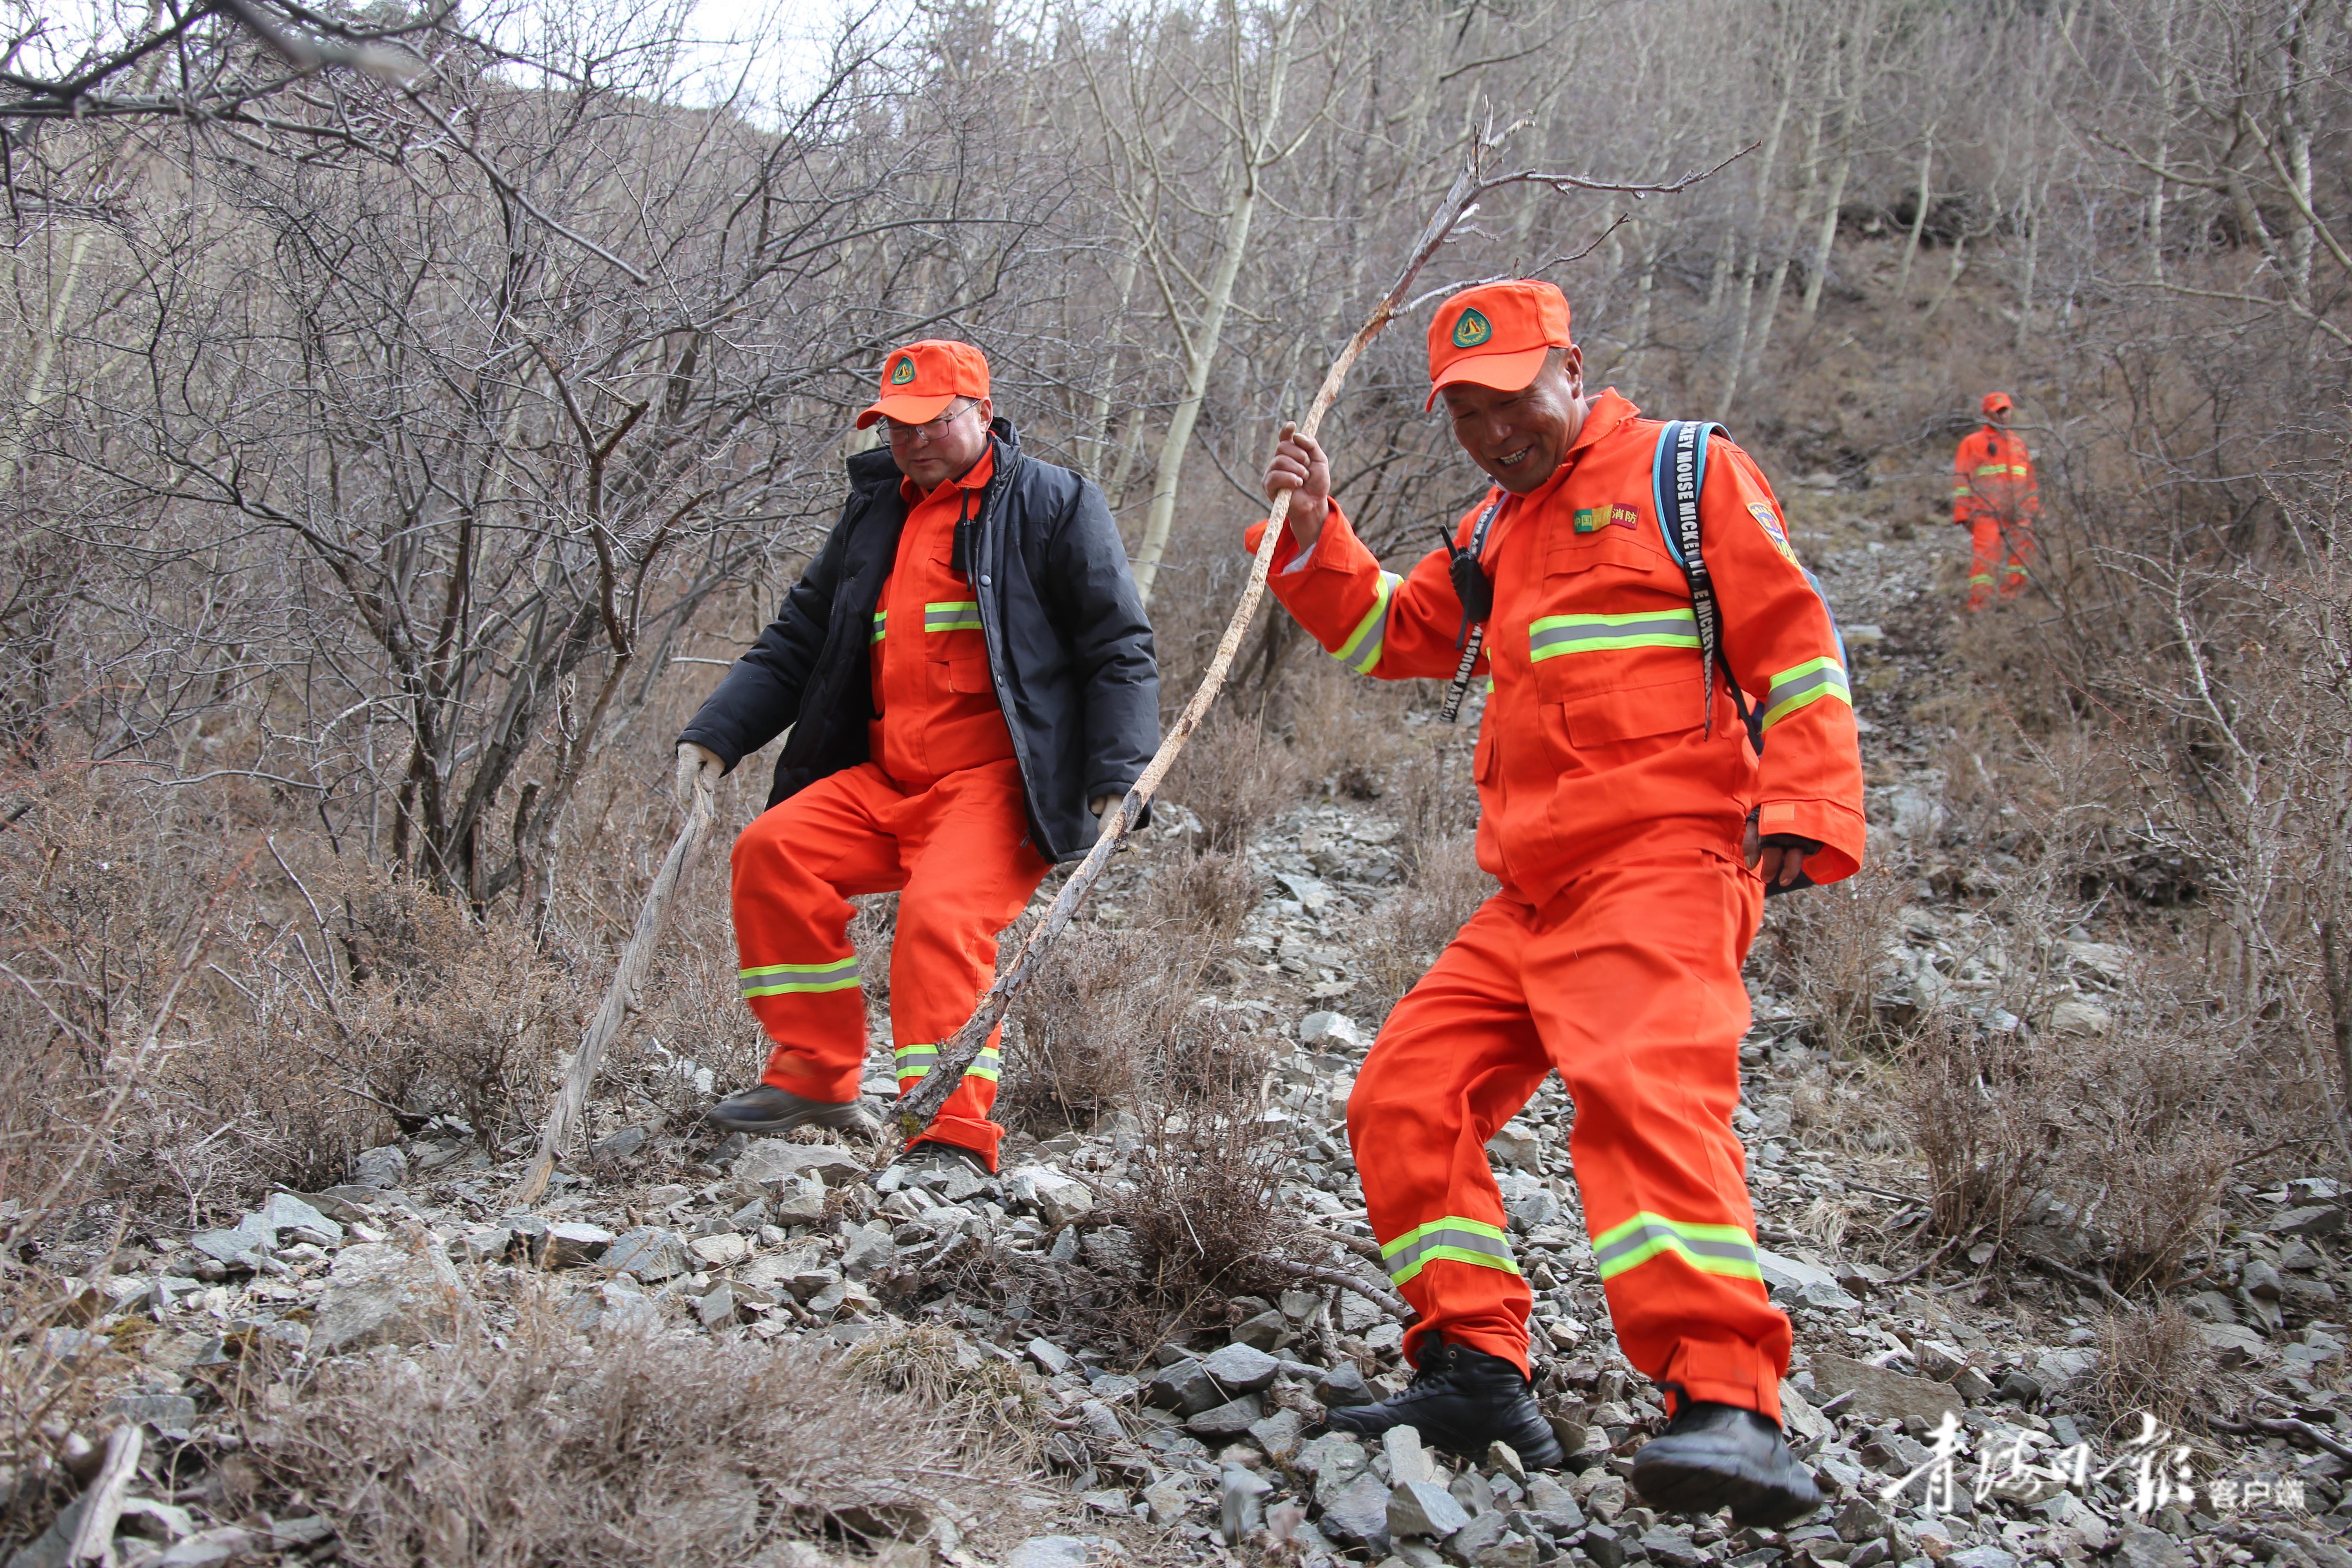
[{"x": 698, "y": 768}]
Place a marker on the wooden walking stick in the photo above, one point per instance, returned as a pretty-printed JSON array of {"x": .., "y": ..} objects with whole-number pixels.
[
  {"x": 621, "y": 997},
  {"x": 1461, "y": 199}
]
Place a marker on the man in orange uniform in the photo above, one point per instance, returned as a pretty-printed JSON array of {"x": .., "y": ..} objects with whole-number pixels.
[
  {"x": 969, "y": 680},
  {"x": 1633, "y": 829},
  {"x": 1994, "y": 498}
]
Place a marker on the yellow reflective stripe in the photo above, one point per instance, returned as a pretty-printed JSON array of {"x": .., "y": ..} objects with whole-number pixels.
[
  {"x": 1726, "y": 1249},
  {"x": 880, "y": 616},
  {"x": 1555, "y": 635},
  {"x": 1361, "y": 651},
  {"x": 781, "y": 979},
  {"x": 1451, "y": 1238},
  {"x": 1806, "y": 684},
  {"x": 1980, "y": 577},
  {"x": 1984, "y": 468},
  {"x": 915, "y": 1062},
  {"x": 960, "y": 616}
]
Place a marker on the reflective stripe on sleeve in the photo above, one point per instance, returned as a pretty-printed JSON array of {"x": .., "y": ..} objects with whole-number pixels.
[
  {"x": 783, "y": 979},
  {"x": 1462, "y": 1240},
  {"x": 1361, "y": 651},
  {"x": 1709, "y": 1249},
  {"x": 880, "y": 618},
  {"x": 963, "y": 617},
  {"x": 1803, "y": 686},
  {"x": 1556, "y": 635}
]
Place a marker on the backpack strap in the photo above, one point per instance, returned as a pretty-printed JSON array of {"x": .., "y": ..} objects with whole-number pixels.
[
  {"x": 1474, "y": 636},
  {"x": 1678, "y": 474}
]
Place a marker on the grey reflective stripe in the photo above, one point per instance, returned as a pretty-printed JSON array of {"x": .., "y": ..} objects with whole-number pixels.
[
  {"x": 1828, "y": 675},
  {"x": 1648, "y": 1238},
  {"x": 1671, "y": 630},
  {"x": 1449, "y": 1240},
  {"x": 963, "y": 617}
]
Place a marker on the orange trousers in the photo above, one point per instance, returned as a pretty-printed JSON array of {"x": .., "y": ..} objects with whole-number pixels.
[
  {"x": 958, "y": 852},
  {"x": 1628, "y": 984},
  {"x": 1997, "y": 549}
]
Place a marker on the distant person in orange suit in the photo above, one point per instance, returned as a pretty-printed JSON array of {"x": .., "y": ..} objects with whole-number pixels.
[{"x": 1994, "y": 498}]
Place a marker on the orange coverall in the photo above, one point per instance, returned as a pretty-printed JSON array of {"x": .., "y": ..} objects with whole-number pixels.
[
  {"x": 1994, "y": 498},
  {"x": 1612, "y": 809},
  {"x": 938, "y": 814}
]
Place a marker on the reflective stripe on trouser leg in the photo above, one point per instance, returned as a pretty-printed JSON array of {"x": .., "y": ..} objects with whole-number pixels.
[
  {"x": 799, "y": 974},
  {"x": 970, "y": 873},
  {"x": 1634, "y": 978},
  {"x": 1451, "y": 1238}
]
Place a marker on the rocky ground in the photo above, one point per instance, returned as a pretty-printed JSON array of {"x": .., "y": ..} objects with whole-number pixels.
[{"x": 1210, "y": 1447}]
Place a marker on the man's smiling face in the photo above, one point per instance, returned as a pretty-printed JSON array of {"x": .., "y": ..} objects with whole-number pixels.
[{"x": 1519, "y": 437}]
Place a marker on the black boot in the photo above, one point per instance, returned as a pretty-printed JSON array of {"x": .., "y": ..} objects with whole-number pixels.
[
  {"x": 1720, "y": 1456},
  {"x": 764, "y": 1108},
  {"x": 1461, "y": 1400}
]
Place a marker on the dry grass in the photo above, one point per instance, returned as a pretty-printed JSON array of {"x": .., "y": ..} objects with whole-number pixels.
[
  {"x": 539, "y": 1451},
  {"x": 1206, "y": 893},
  {"x": 1830, "y": 949},
  {"x": 2150, "y": 1363},
  {"x": 1234, "y": 776},
  {"x": 1413, "y": 928}
]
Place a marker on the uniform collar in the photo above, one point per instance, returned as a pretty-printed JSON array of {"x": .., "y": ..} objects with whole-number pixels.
[
  {"x": 1602, "y": 416},
  {"x": 975, "y": 478}
]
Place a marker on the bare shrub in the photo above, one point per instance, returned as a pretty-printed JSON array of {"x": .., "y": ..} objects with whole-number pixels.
[
  {"x": 2151, "y": 1363},
  {"x": 2124, "y": 1141},
  {"x": 1833, "y": 950},
  {"x": 538, "y": 1450},
  {"x": 1234, "y": 777},
  {"x": 1206, "y": 1207},
  {"x": 1976, "y": 1114},
  {"x": 1109, "y": 1018},
  {"x": 1436, "y": 800},
  {"x": 1412, "y": 927},
  {"x": 994, "y": 1403},
  {"x": 1207, "y": 893}
]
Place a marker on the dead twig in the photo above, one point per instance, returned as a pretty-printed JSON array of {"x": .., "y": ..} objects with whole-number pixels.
[
  {"x": 2285, "y": 1427},
  {"x": 1388, "y": 1304},
  {"x": 93, "y": 1538}
]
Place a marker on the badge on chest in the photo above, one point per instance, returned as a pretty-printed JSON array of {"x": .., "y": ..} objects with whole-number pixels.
[{"x": 1594, "y": 519}]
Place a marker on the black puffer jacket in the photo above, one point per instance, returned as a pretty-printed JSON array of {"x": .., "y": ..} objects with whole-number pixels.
[{"x": 1067, "y": 644}]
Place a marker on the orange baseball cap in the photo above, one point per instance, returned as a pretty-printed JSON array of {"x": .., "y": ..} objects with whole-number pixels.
[
  {"x": 921, "y": 380},
  {"x": 1496, "y": 335},
  {"x": 1996, "y": 402}
]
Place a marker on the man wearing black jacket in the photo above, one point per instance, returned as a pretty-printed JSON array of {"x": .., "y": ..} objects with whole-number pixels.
[{"x": 968, "y": 678}]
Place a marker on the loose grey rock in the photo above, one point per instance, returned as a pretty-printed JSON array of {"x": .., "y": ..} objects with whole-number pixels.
[
  {"x": 1423, "y": 1509},
  {"x": 766, "y": 1160},
  {"x": 573, "y": 1242},
  {"x": 614, "y": 1148},
  {"x": 1879, "y": 1392},
  {"x": 717, "y": 1307},
  {"x": 2259, "y": 1279},
  {"x": 800, "y": 1200},
  {"x": 1994, "y": 1557},
  {"x": 1343, "y": 1385},
  {"x": 1277, "y": 1434},
  {"x": 1501, "y": 1457},
  {"x": 1063, "y": 1551},
  {"x": 237, "y": 1245},
  {"x": 1240, "y": 1369},
  {"x": 285, "y": 1212},
  {"x": 1359, "y": 1515},
  {"x": 1555, "y": 1505},
  {"x": 1111, "y": 1251},
  {"x": 1517, "y": 1145},
  {"x": 868, "y": 1251},
  {"x": 1266, "y": 1332},
  {"x": 1672, "y": 1548},
  {"x": 378, "y": 1293},
  {"x": 1241, "y": 1502},
  {"x": 2315, "y": 1219},
  {"x": 384, "y": 1166},
  {"x": 1231, "y": 1419},
  {"x": 1051, "y": 1359},
  {"x": 1057, "y": 1199},
  {"x": 649, "y": 1253},
  {"x": 1185, "y": 1387},
  {"x": 1408, "y": 1460},
  {"x": 1938, "y": 1359},
  {"x": 1482, "y": 1531},
  {"x": 1167, "y": 1501},
  {"x": 482, "y": 1246},
  {"x": 1324, "y": 1031}
]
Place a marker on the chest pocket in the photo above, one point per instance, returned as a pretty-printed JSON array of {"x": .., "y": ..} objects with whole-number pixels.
[{"x": 1615, "y": 650}]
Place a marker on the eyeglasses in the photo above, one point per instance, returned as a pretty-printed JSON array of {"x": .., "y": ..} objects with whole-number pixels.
[{"x": 929, "y": 430}]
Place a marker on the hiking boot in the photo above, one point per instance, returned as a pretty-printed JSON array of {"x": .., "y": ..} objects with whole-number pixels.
[
  {"x": 763, "y": 1108},
  {"x": 1461, "y": 1399},
  {"x": 1718, "y": 1456}
]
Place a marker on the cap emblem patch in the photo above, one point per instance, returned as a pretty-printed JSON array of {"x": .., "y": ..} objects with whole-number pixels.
[
  {"x": 1472, "y": 329},
  {"x": 903, "y": 372}
]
